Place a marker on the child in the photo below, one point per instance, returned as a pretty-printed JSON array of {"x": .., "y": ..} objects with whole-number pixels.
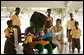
[
  {"x": 76, "y": 33},
  {"x": 47, "y": 26},
  {"x": 41, "y": 33},
  {"x": 42, "y": 42},
  {"x": 17, "y": 23},
  {"x": 27, "y": 48},
  {"x": 49, "y": 18},
  {"x": 70, "y": 24},
  {"x": 9, "y": 44}
]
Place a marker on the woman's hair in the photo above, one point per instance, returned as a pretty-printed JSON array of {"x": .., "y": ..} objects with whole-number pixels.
[{"x": 58, "y": 20}]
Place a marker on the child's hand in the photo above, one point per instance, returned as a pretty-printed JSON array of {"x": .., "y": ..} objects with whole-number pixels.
[
  {"x": 34, "y": 37},
  {"x": 42, "y": 33}
]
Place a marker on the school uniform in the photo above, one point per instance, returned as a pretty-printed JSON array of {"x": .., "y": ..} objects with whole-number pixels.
[
  {"x": 9, "y": 47},
  {"x": 76, "y": 33},
  {"x": 70, "y": 25},
  {"x": 50, "y": 19},
  {"x": 27, "y": 46},
  {"x": 16, "y": 24}
]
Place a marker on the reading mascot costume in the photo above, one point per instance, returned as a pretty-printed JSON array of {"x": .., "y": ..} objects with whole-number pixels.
[{"x": 37, "y": 21}]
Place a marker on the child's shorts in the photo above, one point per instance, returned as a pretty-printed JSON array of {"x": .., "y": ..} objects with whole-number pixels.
[{"x": 75, "y": 43}]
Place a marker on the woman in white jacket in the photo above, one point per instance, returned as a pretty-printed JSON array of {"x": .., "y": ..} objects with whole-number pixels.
[{"x": 57, "y": 40}]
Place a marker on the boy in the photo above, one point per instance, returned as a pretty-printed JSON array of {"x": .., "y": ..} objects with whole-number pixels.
[
  {"x": 9, "y": 44},
  {"x": 47, "y": 26},
  {"x": 28, "y": 40},
  {"x": 49, "y": 18},
  {"x": 76, "y": 33},
  {"x": 16, "y": 23},
  {"x": 43, "y": 43},
  {"x": 70, "y": 25}
]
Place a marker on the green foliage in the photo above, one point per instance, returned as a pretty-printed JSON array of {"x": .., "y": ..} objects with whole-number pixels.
[
  {"x": 12, "y": 9},
  {"x": 2, "y": 9},
  {"x": 76, "y": 11},
  {"x": 24, "y": 9},
  {"x": 58, "y": 10}
]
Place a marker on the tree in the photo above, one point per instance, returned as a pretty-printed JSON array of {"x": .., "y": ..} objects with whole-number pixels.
[{"x": 59, "y": 11}]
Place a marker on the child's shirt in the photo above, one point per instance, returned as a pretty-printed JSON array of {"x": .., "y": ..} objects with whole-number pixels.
[
  {"x": 50, "y": 19},
  {"x": 15, "y": 20},
  {"x": 29, "y": 38},
  {"x": 7, "y": 32},
  {"x": 70, "y": 24},
  {"x": 76, "y": 33},
  {"x": 42, "y": 33}
]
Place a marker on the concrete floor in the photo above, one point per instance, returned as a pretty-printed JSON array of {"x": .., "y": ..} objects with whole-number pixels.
[{"x": 65, "y": 51}]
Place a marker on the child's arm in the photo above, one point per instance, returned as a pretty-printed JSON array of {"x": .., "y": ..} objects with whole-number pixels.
[
  {"x": 79, "y": 32},
  {"x": 28, "y": 40},
  {"x": 26, "y": 31},
  {"x": 7, "y": 35},
  {"x": 71, "y": 33},
  {"x": 34, "y": 37},
  {"x": 12, "y": 18},
  {"x": 42, "y": 33}
]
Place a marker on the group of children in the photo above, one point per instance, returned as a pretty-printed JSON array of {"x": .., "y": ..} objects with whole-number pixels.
[{"x": 73, "y": 35}]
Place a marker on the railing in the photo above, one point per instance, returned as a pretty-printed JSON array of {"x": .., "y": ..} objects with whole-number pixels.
[{"x": 22, "y": 37}]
